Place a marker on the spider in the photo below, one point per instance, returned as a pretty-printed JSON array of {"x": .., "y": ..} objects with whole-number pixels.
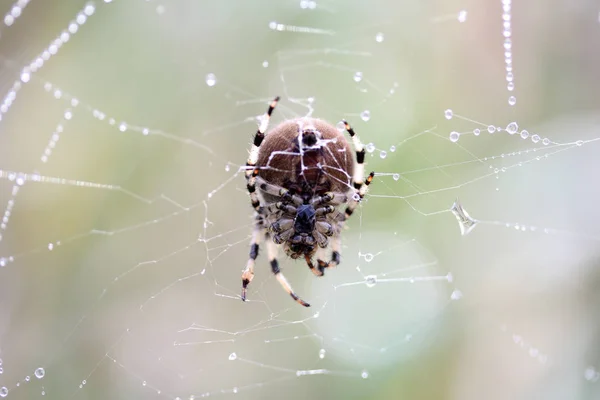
[{"x": 303, "y": 173}]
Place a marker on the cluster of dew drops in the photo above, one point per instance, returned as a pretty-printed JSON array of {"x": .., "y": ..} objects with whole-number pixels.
[
  {"x": 39, "y": 373},
  {"x": 512, "y": 128}
]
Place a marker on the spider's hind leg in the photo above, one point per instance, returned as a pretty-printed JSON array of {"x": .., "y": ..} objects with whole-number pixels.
[
  {"x": 248, "y": 272},
  {"x": 272, "y": 252}
]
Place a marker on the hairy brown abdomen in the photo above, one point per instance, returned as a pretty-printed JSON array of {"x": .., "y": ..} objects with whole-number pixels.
[{"x": 329, "y": 167}]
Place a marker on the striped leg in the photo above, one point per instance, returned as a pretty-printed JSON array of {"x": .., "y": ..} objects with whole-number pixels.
[
  {"x": 359, "y": 172},
  {"x": 272, "y": 249},
  {"x": 248, "y": 273},
  {"x": 335, "y": 257},
  {"x": 251, "y": 171}
]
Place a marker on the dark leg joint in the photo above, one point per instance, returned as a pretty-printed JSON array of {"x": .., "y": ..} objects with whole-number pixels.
[
  {"x": 258, "y": 138},
  {"x": 254, "y": 251},
  {"x": 245, "y": 283},
  {"x": 275, "y": 266},
  {"x": 322, "y": 266},
  {"x": 299, "y": 300},
  {"x": 360, "y": 156}
]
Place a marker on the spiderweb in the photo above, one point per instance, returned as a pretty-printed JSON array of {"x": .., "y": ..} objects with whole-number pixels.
[{"x": 468, "y": 271}]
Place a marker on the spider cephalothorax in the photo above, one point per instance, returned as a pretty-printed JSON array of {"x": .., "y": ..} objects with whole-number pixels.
[{"x": 304, "y": 172}]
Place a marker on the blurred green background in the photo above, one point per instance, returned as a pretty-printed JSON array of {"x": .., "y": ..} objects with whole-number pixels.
[{"x": 130, "y": 290}]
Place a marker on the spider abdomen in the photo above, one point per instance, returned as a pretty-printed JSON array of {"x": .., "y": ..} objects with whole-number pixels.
[{"x": 306, "y": 155}]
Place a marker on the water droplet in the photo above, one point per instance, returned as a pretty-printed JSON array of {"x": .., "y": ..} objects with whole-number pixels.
[
  {"x": 227, "y": 168},
  {"x": 371, "y": 280},
  {"x": 524, "y": 134},
  {"x": 465, "y": 222},
  {"x": 265, "y": 64},
  {"x": 20, "y": 180},
  {"x": 533, "y": 352},
  {"x": 510, "y": 76},
  {"x": 456, "y": 294},
  {"x": 491, "y": 129},
  {"x": 370, "y": 148},
  {"x": 341, "y": 127},
  {"x": 25, "y": 76},
  {"x": 3, "y": 391},
  {"x": 122, "y": 126},
  {"x": 510, "y": 86},
  {"x": 476, "y": 131},
  {"x": 40, "y": 372},
  {"x": 546, "y": 141},
  {"x": 535, "y": 138},
  {"x": 368, "y": 257},
  {"x": 396, "y": 177},
  {"x": 322, "y": 353},
  {"x": 50, "y": 246},
  {"x": 1, "y": 370},
  {"x": 365, "y": 115},
  {"x": 232, "y": 356},
  {"x": 27, "y": 378},
  {"x": 358, "y": 76},
  {"x": 382, "y": 154},
  {"x": 454, "y": 136},
  {"x": 512, "y": 100},
  {"x": 144, "y": 383},
  {"x": 379, "y": 37},
  {"x": 145, "y": 131},
  {"x": 591, "y": 374},
  {"x": 448, "y": 114},
  {"x": 462, "y": 16},
  {"x": 211, "y": 79},
  {"x": 364, "y": 374},
  {"x": 392, "y": 148},
  {"x": 356, "y": 197},
  {"x": 579, "y": 143},
  {"x": 512, "y": 128}
]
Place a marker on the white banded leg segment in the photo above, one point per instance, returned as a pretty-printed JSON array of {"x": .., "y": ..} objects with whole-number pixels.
[
  {"x": 358, "y": 196},
  {"x": 359, "y": 169},
  {"x": 258, "y": 138},
  {"x": 251, "y": 186},
  {"x": 272, "y": 250},
  {"x": 248, "y": 272}
]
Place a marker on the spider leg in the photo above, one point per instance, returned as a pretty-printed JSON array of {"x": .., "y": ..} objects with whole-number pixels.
[
  {"x": 335, "y": 256},
  {"x": 359, "y": 172},
  {"x": 278, "y": 191},
  {"x": 329, "y": 198},
  {"x": 272, "y": 249},
  {"x": 360, "y": 193},
  {"x": 251, "y": 171},
  {"x": 248, "y": 272},
  {"x": 311, "y": 265}
]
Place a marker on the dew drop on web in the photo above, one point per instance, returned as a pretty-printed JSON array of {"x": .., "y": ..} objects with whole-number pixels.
[{"x": 211, "y": 79}]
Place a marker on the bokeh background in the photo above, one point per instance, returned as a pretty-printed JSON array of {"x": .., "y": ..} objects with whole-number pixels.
[{"x": 121, "y": 279}]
